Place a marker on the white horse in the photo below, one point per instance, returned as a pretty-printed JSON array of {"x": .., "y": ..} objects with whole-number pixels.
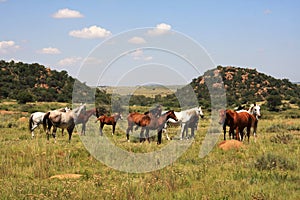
[
  {"x": 254, "y": 110},
  {"x": 187, "y": 119},
  {"x": 64, "y": 120},
  {"x": 36, "y": 119}
]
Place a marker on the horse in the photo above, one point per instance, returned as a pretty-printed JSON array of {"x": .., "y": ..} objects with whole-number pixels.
[
  {"x": 36, "y": 119},
  {"x": 149, "y": 121},
  {"x": 63, "y": 120},
  {"x": 255, "y": 111},
  {"x": 187, "y": 119},
  {"x": 109, "y": 120},
  {"x": 84, "y": 117},
  {"x": 236, "y": 121}
]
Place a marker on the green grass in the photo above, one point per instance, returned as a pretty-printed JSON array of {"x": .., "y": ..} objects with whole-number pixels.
[{"x": 265, "y": 169}]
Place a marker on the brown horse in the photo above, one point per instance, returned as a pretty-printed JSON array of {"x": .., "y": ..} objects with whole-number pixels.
[
  {"x": 237, "y": 121},
  {"x": 109, "y": 120},
  {"x": 149, "y": 121},
  {"x": 83, "y": 118}
]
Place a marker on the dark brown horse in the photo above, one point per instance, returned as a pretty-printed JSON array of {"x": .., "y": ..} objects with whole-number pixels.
[
  {"x": 237, "y": 121},
  {"x": 109, "y": 120},
  {"x": 83, "y": 118},
  {"x": 149, "y": 121}
]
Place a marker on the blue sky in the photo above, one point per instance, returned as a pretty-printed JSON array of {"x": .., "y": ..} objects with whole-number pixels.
[{"x": 61, "y": 34}]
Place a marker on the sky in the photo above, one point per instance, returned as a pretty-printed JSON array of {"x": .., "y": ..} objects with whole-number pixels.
[{"x": 140, "y": 42}]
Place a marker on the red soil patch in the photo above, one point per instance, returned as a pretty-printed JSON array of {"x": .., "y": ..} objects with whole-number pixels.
[
  {"x": 230, "y": 144},
  {"x": 7, "y": 112},
  {"x": 23, "y": 119}
]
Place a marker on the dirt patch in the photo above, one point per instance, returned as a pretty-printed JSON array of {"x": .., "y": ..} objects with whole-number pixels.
[
  {"x": 66, "y": 176},
  {"x": 23, "y": 119},
  {"x": 230, "y": 144},
  {"x": 7, "y": 112}
]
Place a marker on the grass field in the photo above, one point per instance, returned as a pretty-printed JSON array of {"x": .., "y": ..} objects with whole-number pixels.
[{"x": 265, "y": 169}]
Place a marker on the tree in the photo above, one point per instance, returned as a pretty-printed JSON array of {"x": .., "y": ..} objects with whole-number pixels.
[
  {"x": 273, "y": 102},
  {"x": 24, "y": 96}
]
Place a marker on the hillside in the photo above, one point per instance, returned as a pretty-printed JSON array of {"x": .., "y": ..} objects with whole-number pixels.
[
  {"x": 244, "y": 85},
  {"x": 34, "y": 82}
]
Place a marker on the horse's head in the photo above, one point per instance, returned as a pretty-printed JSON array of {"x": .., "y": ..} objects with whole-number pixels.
[
  {"x": 118, "y": 116},
  {"x": 171, "y": 114},
  {"x": 81, "y": 110},
  {"x": 199, "y": 112},
  {"x": 222, "y": 116},
  {"x": 255, "y": 110}
]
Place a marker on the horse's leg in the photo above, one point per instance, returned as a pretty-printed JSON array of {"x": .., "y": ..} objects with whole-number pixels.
[
  {"x": 192, "y": 132},
  {"x": 237, "y": 134},
  {"x": 224, "y": 130},
  {"x": 159, "y": 134},
  {"x": 129, "y": 128},
  {"x": 83, "y": 129},
  {"x": 32, "y": 133},
  {"x": 70, "y": 131},
  {"x": 101, "y": 128},
  {"x": 255, "y": 129},
  {"x": 248, "y": 132},
  {"x": 48, "y": 130},
  {"x": 142, "y": 136},
  {"x": 182, "y": 130},
  {"x": 147, "y": 135},
  {"x": 62, "y": 132},
  {"x": 114, "y": 128},
  {"x": 54, "y": 133}
]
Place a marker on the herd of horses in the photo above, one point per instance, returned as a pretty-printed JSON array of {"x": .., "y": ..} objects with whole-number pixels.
[{"x": 154, "y": 119}]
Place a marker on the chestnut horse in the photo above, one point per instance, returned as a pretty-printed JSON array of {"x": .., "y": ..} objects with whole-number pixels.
[
  {"x": 149, "y": 121},
  {"x": 83, "y": 118},
  {"x": 109, "y": 120},
  {"x": 237, "y": 121}
]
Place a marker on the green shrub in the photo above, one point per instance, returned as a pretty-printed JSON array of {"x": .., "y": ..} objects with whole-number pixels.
[
  {"x": 271, "y": 162},
  {"x": 282, "y": 138}
]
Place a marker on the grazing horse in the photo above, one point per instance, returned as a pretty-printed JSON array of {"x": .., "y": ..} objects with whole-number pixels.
[
  {"x": 149, "y": 121},
  {"x": 109, "y": 120},
  {"x": 84, "y": 117},
  {"x": 236, "y": 121},
  {"x": 187, "y": 119},
  {"x": 63, "y": 120},
  {"x": 36, "y": 119}
]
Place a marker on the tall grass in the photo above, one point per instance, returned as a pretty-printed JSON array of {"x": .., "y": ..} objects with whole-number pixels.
[{"x": 249, "y": 173}]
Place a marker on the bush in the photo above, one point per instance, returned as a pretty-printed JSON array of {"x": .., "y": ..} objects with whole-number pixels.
[
  {"x": 281, "y": 138},
  {"x": 271, "y": 162}
]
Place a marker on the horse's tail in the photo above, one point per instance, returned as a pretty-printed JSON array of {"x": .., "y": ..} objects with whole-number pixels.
[
  {"x": 30, "y": 122},
  {"x": 45, "y": 120}
]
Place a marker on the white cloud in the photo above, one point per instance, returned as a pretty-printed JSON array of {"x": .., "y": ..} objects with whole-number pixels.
[
  {"x": 267, "y": 11},
  {"x": 67, "y": 13},
  {"x": 160, "y": 29},
  {"x": 90, "y": 33},
  {"x": 137, "y": 40},
  {"x": 8, "y": 46},
  {"x": 49, "y": 50},
  {"x": 92, "y": 61},
  {"x": 139, "y": 55},
  {"x": 69, "y": 61},
  {"x": 1, "y": 1}
]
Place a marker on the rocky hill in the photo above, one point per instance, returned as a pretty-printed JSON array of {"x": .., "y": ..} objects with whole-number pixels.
[
  {"x": 244, "y": 85},
  {"x": 34, "y": 82}
]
